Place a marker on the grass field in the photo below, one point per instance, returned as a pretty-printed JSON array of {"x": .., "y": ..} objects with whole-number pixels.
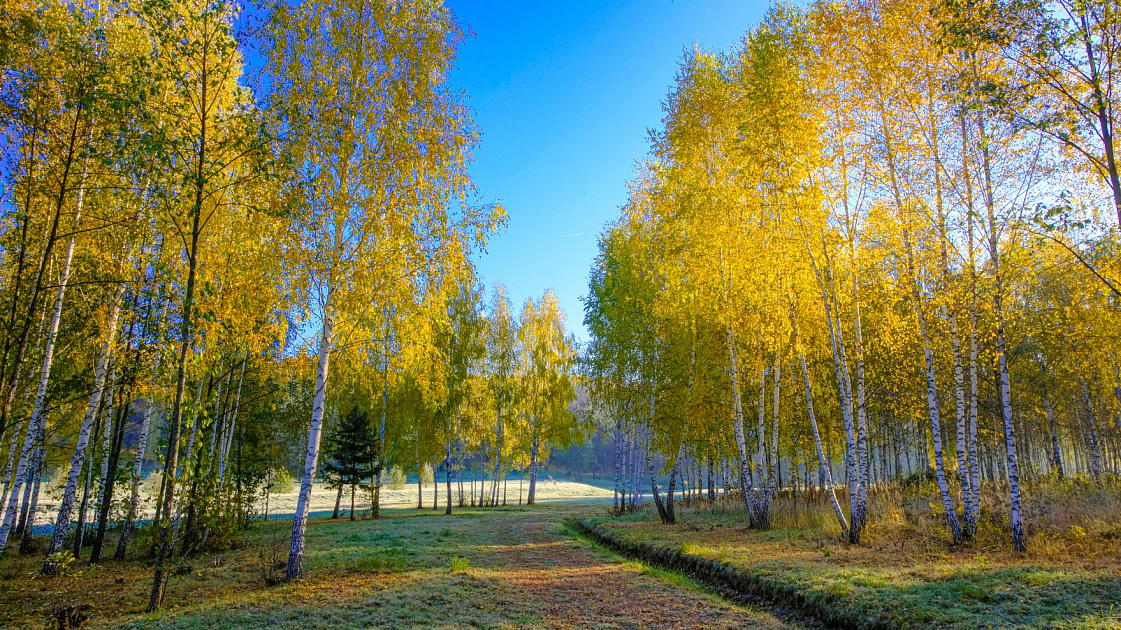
[
  {"x": 323, "y": 498},
  {"x": 480, "y": 568},
  {"x": 535, "y": 567}
]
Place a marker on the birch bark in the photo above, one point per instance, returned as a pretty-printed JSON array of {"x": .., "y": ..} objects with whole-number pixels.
[
  {"x": 824, "y": 467},
  {"x": 62, "y": 520},
  {"x": 36, "y": 425},
  {"x": 932, "y": 400},
  {"x": 299, "y": 519}
]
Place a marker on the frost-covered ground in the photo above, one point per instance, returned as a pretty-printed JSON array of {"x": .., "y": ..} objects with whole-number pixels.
[{"x": 323, "y": 498}]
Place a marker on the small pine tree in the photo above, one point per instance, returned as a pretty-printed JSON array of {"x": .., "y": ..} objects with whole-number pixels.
[{"x": 352, "y": 454}]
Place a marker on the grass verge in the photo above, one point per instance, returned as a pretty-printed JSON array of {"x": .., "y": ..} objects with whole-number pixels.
[{"x": 869, "y": 587}]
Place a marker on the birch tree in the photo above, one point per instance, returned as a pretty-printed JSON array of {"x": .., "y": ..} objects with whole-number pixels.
[{"x": 377, "y": 144}]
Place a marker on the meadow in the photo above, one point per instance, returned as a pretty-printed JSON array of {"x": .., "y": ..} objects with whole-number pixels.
[{"x": 512, "y": 567}]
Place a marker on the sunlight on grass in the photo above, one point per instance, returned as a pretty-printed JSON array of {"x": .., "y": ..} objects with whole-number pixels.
[
  {"x": 906, "y": 573},
  {"x": 459, "y": 564}
]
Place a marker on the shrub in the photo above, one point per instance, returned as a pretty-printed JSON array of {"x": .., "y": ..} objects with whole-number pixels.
[
  {"x": 396, "y": 478},
  {"x": 280, "y": 481},
  {"x": 270, "y": 557},
  {"x": 458, "y": 564}
]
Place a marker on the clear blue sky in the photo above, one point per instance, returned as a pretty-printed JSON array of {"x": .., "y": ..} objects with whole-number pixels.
[{"x": 565, "y": 92}]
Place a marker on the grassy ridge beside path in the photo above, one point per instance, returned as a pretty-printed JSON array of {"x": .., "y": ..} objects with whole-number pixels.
[{"x": 871, "y": 587}]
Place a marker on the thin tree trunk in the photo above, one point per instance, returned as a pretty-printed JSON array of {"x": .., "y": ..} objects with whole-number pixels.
[
  {"x": 737, "y": 426},
  {"x": 533, "y": 469},
  {"x": 36, "y": 426},
  {"x": 844, "y": 385},
  {"x": 295, "y": 566},
  {"x": 497, "y": 459},
  {"x": 824, "y": 468},
  {"x": 654, "y": 491},
  {"x": 618, "y": 463},
  {"x": 448, "y": 479},
  {"x": 1095, "y": 442},
  {"x": 62, "y": 520},
  {"x": 9, "y": 466},
  {"x": 48, "y": 251},
  {"x": 228, "y": 433},
  {"x": 671, "y": 518},
  {"x": 28, "y": 530},
  {"x": 141, "y": 449},
  {"x": 79, "y": 533},
  {"x": 932, "y": 401},
  {"x": 109, "y": 481},
  {"x": 1019, "y": 537},
  {"x": 776, "y": 458},
  {"x": 1056, "y": 454}
]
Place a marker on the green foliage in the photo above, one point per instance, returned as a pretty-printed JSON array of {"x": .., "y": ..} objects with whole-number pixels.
[
  {"x": 280, "y": 481},
  {"x": 352, "y": 451},
  {"x": 63, "y": 563},
  {"x": 458, "y": 564},
  {"x": 396, "y": 479}
]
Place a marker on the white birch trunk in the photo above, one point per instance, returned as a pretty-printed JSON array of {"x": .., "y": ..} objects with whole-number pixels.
[
  {"x": 1095, "y": 442},
  {"x": 106, "y": 439},
  {"x": 38, "y": 415},
  {"x": 824, "y": 467},
  {"x": 776, "y": 462},
  {"x": 763, "y": 493},
  {"x": 960, "y": 442},
  {"x": 532, "y": 496},
  {"x": 137, "y": 469},
  {"x": 497, "y": 456},
  {"x": 862, "y": 458},
  {"x": 1056, "y": 453},
  {"x": 229, "y": 437},
  {"x": 1019, "y": 538},
  {"x": 78, "y": 459},
  {"x": 932, "y": 401},
  {"x": 618, "y": 450},
  {"x": 146, "y": 420},
  {"x": 299, "y": 519},
  {"x": 974, "y": 466},
  {"x": 219, "y": 419},
  {"x": 37, "y": 475},
  {"x": 971, "y": 421},
  {"x": 196, "y": 417},
  {"x": 844, "y": 385},
  {"x": 9, "y": 472},
  {"x": 638, "y": 464},
  {"x": 737, "y": 425},
  {"x": 844, "y": 382}
]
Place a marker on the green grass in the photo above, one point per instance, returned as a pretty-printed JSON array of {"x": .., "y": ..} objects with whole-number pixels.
[
  {"x": 480, "y": 568},
  {"x": 919, "y": 584},
  {"x": 459, "y": 564},
  {"x": 387, "y": 573}
]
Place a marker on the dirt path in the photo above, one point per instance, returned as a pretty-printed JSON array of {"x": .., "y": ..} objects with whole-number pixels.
[{"x": 579, "y": 587}]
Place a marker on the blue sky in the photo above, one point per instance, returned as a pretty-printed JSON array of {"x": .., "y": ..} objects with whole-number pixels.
[{"x": 564, "y": 93}]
